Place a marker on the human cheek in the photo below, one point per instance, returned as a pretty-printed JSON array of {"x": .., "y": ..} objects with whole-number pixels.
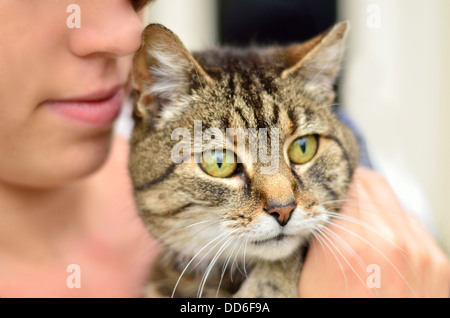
[{"x": 26, "y": 64}]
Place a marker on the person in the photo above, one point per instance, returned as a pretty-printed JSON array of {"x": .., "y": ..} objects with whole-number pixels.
[
  {"x": 68, "y": 223},
  {"x": 68, "y": 226}
]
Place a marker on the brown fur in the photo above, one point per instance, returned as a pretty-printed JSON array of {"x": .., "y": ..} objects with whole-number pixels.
[{"x": 197, "y": 216}]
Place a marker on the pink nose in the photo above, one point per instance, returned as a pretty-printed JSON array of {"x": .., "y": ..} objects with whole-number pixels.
[{"x": 282, "y": 213}]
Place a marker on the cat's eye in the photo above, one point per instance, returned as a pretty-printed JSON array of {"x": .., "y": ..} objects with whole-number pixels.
[
  {"x": 219, "y": 163},
  {"x": 303, "y": 149}
]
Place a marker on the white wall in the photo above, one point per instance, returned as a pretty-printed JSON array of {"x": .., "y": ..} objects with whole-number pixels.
[
  {"x": 396, "y": 85},
  {"x": 194, "y": 21}
]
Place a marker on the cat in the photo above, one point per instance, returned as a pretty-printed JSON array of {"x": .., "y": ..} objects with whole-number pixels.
[{"x": 230, "y": 227}]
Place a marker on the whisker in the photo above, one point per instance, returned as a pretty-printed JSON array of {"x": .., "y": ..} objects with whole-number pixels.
[
  {"x": 358, "y": 259},
  {"x": 197, "y": 223},
  {"x": 244, "y": 260},
  {"x": 235, "y": 262},
  {"x": 204, "y": 256},
  {"x": 363, "y": 224},
  {"x": 364, "y": 198},
  {"x": 192, "y": 259},
  {"x": 321, "y": 244},
  {"x": 320, "y": 237},
  {"x": 211, "y": 265},
  {"x": 372, "y": 229},
  {"x": 346, "y": 246},
  {"x": 380, "y": 252},
  {"x": 224, "y": 267},
  {"x": 170, "y": 233}
]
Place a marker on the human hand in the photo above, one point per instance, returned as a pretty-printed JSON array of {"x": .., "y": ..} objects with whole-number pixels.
[{"x": 374, "y": 248}]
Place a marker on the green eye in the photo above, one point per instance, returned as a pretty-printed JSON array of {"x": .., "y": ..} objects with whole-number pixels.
[
  {"x": 219, "y": 163},
  {"x": 303, "y": 149}
]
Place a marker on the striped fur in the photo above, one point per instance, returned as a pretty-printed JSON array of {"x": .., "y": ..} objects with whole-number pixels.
[{"x": 202, "y": 220}]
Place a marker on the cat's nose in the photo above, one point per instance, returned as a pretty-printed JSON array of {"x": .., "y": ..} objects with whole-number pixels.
[{"x": 281, "y": 212}]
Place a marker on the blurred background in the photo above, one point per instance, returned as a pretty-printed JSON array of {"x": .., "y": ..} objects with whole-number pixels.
[{"x": 394, "y": 84}]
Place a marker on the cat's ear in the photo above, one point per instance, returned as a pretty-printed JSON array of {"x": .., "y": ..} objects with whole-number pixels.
[
  {"x": 163, "y": 69},
  {"x": 317, "y": 61}
]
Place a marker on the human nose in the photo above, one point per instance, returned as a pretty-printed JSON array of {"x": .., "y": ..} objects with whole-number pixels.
[{"x": 113, "y": 32}]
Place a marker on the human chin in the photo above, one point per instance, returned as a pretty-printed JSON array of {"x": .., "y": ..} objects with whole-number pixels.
[
  {"x": 90, "y": 154},
  {"x": 65, "y": 161}
]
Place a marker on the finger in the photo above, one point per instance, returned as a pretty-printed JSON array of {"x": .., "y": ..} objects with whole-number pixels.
[
  {"x": 378, "y": 223},
  {"x": 425, "y": 259},
  {"x": 377, "y": 205}
]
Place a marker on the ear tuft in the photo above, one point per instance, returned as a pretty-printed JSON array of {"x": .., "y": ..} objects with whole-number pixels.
[
  {"x": 163, "y": 67},
  {"x": 320, "y": 57}
]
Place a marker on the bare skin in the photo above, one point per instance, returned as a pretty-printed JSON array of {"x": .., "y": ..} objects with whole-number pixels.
[
  {"x": 65, "y": 194},
  {"x": 92, "y": 223},
  {"x": 374, "y": 229}
]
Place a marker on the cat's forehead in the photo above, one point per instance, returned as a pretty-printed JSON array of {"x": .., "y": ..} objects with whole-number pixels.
[
  {"x": 220, "y": 62},
  {"x": 249, "y": 93}
]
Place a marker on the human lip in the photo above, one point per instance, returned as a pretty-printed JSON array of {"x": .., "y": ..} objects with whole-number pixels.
[{"x": 98, "y": 108}]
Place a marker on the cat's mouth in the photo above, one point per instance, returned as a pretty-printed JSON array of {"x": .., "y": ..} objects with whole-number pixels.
[{"x": 280, "y": 237}]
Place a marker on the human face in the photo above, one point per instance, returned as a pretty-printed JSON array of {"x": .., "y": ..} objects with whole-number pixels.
[{"x": 61, "y": 88}]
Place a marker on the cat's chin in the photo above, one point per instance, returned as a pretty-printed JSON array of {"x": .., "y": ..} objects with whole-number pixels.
[{"x": 275, "y": 248}]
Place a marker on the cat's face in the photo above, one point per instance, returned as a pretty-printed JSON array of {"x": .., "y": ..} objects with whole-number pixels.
[{"x": 255, "y": 192}]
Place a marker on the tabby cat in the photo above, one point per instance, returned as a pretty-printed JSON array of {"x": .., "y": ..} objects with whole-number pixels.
[{"x": 231, "y": 227}]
